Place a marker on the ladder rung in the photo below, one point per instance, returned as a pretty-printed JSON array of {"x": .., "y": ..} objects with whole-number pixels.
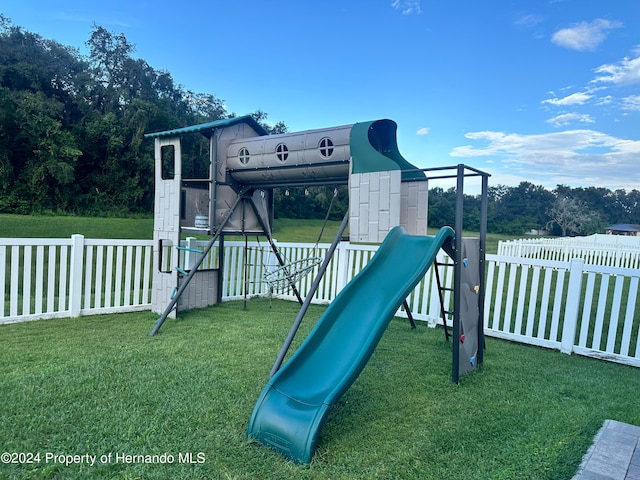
[
  {"x": 187, "y": 249},
  {"x": 446, "y": 289},
  {"x": 179, "y": 270}
]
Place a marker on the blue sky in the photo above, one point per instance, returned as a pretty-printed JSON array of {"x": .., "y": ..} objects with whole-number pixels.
[{"x": 546, "y": 91}]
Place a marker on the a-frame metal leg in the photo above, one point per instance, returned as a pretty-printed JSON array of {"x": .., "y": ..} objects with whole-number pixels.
[
  {"x": 407, "y": 309},
  {"x": 276, "y": 252}
]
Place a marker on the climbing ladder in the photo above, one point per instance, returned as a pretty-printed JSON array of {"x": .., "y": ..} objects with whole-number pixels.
[
  {"x": 180, "y": 248},
  {"x": 449, "y": 249},
  {"x": 441, "y": 293}
]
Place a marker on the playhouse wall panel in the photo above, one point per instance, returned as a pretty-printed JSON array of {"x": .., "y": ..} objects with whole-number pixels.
[
  {"x": 201, "y": 291},
  {"x": 414, "y": 207},
  {"x": 374, "y": 205}
]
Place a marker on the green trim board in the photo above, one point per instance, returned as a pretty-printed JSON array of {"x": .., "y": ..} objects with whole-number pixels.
[{"x": 296, "y": 401}]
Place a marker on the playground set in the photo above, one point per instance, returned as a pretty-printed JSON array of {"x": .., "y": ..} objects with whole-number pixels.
[{"x": 387, "y": 206}]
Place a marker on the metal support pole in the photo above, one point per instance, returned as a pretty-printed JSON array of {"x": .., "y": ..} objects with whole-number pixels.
[
  {"x": 220, "y": 282},
  {"x": 407, "y": 309},
  {"x": 194, "y": 269},
  {"x": 309, "y": 297},
  {"x": 457, "y": 279},
  {"x": 246, "y": 270},
  {"x": 213, "y": 179},
  {"x": 484, "y": 203}
]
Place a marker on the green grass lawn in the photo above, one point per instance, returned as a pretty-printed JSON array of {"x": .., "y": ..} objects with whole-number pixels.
[
  {"x": 100, "y": 385},
  {"x": 52, "y": 226},
  {"x": 284, "y": 229}
]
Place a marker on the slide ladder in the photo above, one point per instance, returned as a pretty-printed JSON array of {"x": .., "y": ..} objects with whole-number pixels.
[{"x": 442, "y": 290}]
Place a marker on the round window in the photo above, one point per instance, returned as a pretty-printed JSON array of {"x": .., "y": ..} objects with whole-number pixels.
[
  {"x": 243, "y": 156},
  {"x": 326, "y": 147},
  {"x": 282, "y": 152}
]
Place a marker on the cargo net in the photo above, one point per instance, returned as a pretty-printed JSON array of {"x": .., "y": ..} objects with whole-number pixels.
[{"x": 287, "y": 275}]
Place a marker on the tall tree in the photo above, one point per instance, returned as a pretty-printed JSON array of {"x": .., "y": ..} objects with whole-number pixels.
[
  {"x": 571, "y": 215},
  {"x": 37, "y": 88}
]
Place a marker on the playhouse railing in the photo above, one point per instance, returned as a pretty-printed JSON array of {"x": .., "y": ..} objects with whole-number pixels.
[{"x": 567, "y": 305}]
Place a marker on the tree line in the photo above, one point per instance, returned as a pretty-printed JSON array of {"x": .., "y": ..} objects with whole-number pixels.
[
  {"x": 527, "y": 207},
  {"x": 72, "y": 141},
  {"x": 511, "y": 210},
  {"x": 72, "y": 126}
]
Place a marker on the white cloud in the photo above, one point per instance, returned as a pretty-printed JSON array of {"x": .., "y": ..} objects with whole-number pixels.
[
  {"x": 567, "y": 118},
  {"x": 407, "y": 7},
  {"x": 631, "y": 103},
  {"x": 573, "y": 157},
  {"x": 529, "y": 20},
  {"x": 606, "y": 100},
  {"x": 584, "y": 35},
  {"x": 578, "y": 98},
  {"x": 422, "y": 131},
  {"x": 625, "y": 72},
  {"x": 563, "y": 143}
]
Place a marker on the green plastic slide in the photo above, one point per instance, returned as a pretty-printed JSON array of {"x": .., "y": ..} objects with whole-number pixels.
[{"x": 294, "y": 405}]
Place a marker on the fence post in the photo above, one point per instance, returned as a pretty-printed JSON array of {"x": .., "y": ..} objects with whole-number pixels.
[
  {"x": 190, "y": 256},
  {"x": 572, "y": 306},
  {"x": 75, "y": 279},
  {"x": 343, "y": 266}
]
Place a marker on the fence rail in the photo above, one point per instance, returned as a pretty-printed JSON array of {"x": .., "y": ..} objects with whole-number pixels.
[
  {"x": 611, "y": 250},
  {"x": 569, "y": 305},
  {"x": 52, "y": 278}
]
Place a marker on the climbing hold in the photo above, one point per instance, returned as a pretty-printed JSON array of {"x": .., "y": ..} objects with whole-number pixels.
[
  {"x": 465, "y": 262},
  {"x": 476, "y": 288},
  {"x": 473, "y": 361},
  {"x": 462, "y": 337}
]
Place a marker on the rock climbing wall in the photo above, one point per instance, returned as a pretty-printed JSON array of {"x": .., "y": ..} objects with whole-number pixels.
[{"x": 470, "y": 320}]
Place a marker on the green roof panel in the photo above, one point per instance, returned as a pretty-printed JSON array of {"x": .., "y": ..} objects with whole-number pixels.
[{"x": 208, "y": 127}]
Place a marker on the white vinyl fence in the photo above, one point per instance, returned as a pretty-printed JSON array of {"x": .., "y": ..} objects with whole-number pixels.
[
  {"x": 571, "y": 306},
  {"x": 612, "y": 250},
  {"x": 52, "y": 278},
  {"x": 567, "y": 305}
]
